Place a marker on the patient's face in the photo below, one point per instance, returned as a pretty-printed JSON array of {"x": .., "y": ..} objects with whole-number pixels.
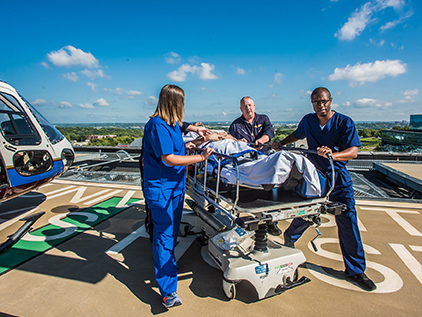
[{"x": 248, "y": 109}]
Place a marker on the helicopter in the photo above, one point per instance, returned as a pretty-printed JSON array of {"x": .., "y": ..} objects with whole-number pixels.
[{"x": 32, "y": 151}]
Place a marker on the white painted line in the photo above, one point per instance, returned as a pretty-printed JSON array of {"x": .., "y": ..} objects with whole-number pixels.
[
  {"x": 416, "y": 248},
  {"x": 394, "y": 214},
  {"x": 17, "y": 210},
  {"x": 104, "y": 197},
  {"x": 125, "y": 199},
  {"x": 89, "y": 184},
  {"x": 58, "y": 190},
  {"x": 16, "y": 219},
  {"x": 182, "y": 245},
  {"x": 361, "y": 226},
  {"x": 414, "y": 266},
  {"x": 78, "y": 196},
  {"x": 140, "y": 232}
]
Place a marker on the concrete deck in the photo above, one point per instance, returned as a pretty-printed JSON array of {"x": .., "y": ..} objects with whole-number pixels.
[
  {"x": 78, "y": 277},
  {"x": 408, "y": 175}
]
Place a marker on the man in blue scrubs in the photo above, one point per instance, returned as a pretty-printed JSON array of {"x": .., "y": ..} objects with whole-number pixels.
[{"x": 328, "y": 131}]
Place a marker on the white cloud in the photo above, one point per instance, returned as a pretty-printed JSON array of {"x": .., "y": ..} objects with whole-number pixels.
[
  {"x": 359, "y": 19},
  {"x": 372, "y": 72},
  {"x": 92, "y": 74},
  {"x": 374, "y": 103},
  {"x": 240, "y": 71},
  {"x": 101, "y": 102},
  {"x": 70, "y": 56},
  {"x": 409, "y": 96},
  {"x": 180, "y": 74},
  {"x": 93, "y": 87},
  {"x": 304, "y": 93},
  {"x": 86, "y": 105},
  {"x": 117, "y": 91},
  {"x": 127, "y": 94},
  {"x": 413, "y": 92},
  {"x": 65, "y": 104},
  {"x": 380, "y": 43},
  {"x": 204, "y": 72},
  {"x": 356, "y": 23},
  {"x": 71, "y": 76},
  {"x": 396, "y": 22},
  {"x": 45, "y": 65},
  {"x": 133, "y": 92},
  {"x": 172, "y": 58},
  {"x": 277, "y": 78},
  {"x": 224, "y": 113},
  {"x": 151, "y": 101},
  {"x": 39, "y": 102}
]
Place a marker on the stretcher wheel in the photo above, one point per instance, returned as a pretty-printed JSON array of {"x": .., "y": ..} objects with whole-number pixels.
[
  {"x": 296, "y": 275},
  {"x": 229, "y": 289}
]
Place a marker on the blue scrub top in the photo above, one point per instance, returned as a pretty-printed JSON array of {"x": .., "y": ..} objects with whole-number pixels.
[
  {"x": 161, "y": 179},
  {"x": 338, "y": 134}
]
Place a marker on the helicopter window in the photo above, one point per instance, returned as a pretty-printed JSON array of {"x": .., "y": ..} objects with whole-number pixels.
[
  {"x": 28, "y": 163},
  {"x": 53, "y": 134},
  {"x": 14, "y": 103},
  {"x": 16, "y": 128}
]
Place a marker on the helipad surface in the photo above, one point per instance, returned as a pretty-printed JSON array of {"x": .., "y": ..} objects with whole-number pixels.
[{"x": 104, "y": 272}]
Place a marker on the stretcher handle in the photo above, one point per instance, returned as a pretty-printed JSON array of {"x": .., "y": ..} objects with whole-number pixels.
[
  {"x": 236, "y": 166},
  {"x": 234, "y": 159}
]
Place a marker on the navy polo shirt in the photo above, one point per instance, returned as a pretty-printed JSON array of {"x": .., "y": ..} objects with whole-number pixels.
[
  {"x": 261, "y": 126},
  {"x": 338, "y": 134}
]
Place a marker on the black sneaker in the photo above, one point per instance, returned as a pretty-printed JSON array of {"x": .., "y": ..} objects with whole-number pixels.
[
  {"x": 274, "y": 230},
  {"x": 363, "y": 281},
  {"x": 287, "y": 241}
]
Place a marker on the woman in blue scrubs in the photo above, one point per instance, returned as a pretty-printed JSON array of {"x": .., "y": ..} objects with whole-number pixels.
[{"x": 164, "y": 185}]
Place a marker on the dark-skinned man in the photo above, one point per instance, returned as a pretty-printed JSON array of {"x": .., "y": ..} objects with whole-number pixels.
[{"x": 328, "y": 131}]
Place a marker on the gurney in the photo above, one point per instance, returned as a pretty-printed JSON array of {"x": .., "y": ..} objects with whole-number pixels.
[{"x": 232, "y": 222}]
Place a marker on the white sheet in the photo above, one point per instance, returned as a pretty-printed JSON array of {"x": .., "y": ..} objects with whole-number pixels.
[{"x": 267, "y": 169}]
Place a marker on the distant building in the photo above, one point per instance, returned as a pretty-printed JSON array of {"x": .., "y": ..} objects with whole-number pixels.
[
  {"x": 92, "y": 137},
  {"x": 416, "y": 121},
  {"x": 404, "y": 140}
]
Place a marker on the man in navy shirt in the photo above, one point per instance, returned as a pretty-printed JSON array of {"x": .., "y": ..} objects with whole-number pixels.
[
  {"x": 254, "y": 129},
  {"x": 251, "y": 127},
  {"x": 328, "y": 131}
]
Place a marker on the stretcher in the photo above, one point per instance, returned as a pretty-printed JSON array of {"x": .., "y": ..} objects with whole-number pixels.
[{"x": 232, "y": 222}]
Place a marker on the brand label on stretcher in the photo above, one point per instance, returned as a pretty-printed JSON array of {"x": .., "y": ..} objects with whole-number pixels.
[
  {"x": 262, "y": 269},
  {"x": 240, "y": 231},
  {"x": 284, "y": 268}
]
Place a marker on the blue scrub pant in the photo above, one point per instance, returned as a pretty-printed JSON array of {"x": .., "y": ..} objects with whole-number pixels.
[
  {"x": 166, "y": 216},
  {"x": 348, "y": 233}
]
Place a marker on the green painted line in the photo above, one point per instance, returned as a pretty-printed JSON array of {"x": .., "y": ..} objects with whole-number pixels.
[{"x": 24, "y": 250}]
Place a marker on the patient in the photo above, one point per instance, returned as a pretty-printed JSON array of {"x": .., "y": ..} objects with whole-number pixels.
[{"x": 256, "y": 169}]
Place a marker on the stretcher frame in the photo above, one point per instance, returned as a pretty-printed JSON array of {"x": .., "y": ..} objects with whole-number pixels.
[{"x": 266, "y": 263}]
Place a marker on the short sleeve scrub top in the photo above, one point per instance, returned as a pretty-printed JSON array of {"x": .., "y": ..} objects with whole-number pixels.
[{"x": 164, "y": 188}]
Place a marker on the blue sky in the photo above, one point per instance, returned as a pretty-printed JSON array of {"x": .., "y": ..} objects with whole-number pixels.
[{"x": 106, "y": 61}]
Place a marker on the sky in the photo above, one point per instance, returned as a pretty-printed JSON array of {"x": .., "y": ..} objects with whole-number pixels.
[{"x": 106, "y": 61}]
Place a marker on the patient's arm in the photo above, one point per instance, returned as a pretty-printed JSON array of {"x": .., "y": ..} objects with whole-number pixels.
[{"x": 212, "y": 137}]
